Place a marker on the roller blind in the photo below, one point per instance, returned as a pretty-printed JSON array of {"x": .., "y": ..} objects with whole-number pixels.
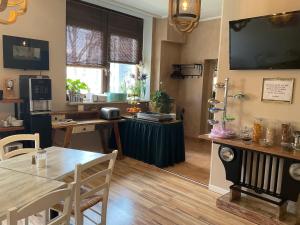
[
  {"x": 96, "y": 35},
  {"x": 125, "y": 35}
]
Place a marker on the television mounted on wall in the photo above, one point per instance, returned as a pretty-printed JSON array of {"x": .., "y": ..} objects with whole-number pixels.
[
  {"x": 25, "y": 53},
  {"x": 266, "y": 42}
]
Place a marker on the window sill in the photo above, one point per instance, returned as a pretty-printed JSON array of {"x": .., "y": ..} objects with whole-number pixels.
[{"x": 101, "y": 103}]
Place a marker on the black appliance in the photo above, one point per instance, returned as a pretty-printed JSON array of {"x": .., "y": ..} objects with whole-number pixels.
[
  {"x": 267, "y": 42},
  {"x": 35, "y": 91},
  {"x": 24, "y": 53}
]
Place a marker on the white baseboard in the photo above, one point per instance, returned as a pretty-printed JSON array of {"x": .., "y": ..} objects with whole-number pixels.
[{"x": 217, "y": 189}]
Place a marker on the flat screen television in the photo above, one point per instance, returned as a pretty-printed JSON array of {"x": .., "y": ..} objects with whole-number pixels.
[
  {"x": 267, "y": 42},
  {"x": 24, "y": 53}
]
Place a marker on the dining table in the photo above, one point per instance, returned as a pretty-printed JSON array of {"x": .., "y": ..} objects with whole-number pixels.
[
  {"x": 61, "y": 162},
  {"x": 18, "y": 189},
  {"x": 22, "y": 182}
]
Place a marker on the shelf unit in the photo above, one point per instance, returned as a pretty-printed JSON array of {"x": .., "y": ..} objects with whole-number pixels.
[
  {"x": 16, "y": 103},
  {"x": 182, "y": 71}
]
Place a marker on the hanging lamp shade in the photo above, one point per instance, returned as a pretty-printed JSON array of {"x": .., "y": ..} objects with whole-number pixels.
[
  {"x": 11, "y": 9},
  {"x": 184, "y": 14}
]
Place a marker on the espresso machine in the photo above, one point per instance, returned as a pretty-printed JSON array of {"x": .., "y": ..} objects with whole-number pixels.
[{"x": 36, "y": 93}]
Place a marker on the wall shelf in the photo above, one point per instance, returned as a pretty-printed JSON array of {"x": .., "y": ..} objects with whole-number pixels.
[{"x": 182, "y": 71}]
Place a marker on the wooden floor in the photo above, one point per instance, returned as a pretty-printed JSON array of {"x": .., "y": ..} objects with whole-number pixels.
[
  {"x": 197, "y": 163},
  {"x": 144, "y": 195}
]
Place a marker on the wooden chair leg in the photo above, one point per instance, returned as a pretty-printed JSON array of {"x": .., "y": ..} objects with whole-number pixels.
[
  {"x": 104, "y": 212},
  {"x": 79, "y": 218},
  {"x": 46, "y": 216}
]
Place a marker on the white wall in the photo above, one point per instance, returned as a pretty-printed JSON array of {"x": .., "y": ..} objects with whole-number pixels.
[
  {"x": 45, "y": 20},
  {"x": 250, "y": 81}
]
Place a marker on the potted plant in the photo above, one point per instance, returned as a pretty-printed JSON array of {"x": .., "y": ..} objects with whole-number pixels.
[
  {"x": 161, "y": 102},
  {"x": 74, "y": 88}
]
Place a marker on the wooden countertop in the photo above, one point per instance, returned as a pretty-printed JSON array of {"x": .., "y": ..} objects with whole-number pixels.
[
  {"x": 10, "y": 129},
  {"x": 60, "y": 125},
  {"x": 275, "y": 150},
  {"x": 73, "y": 112}
]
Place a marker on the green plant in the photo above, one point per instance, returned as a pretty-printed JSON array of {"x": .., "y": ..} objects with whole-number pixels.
[
  {"x": 76, "y": 86},
  {"x": 161, "y": 102}
]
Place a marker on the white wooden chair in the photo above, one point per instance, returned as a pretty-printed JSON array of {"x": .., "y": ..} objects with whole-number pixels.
[
  {"x": 85, "y": 198},
  {"x": 19, "y": 137},
  {"x": 44, "y": 203}
]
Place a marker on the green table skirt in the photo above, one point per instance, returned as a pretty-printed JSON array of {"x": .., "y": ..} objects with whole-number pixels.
[{"x": 155, "y": 143}]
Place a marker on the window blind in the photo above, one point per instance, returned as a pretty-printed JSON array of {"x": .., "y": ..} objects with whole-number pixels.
[
  {"x": 96, "y": 36},
  {"x": 125, "y": 38}
]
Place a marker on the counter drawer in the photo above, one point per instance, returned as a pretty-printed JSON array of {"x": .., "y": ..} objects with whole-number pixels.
[{"x": 83, "y": 129}]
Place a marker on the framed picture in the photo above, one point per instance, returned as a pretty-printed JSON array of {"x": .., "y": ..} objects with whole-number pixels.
[{"x": 278, "y": 90}]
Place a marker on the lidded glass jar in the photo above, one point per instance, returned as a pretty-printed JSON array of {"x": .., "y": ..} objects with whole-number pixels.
[{"x": 41, "y": 158}]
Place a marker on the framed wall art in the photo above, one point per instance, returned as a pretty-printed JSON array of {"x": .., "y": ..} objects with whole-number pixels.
[{"x": 278, "y": 90}]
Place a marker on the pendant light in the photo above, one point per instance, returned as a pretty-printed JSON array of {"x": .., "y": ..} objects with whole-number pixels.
[
  {"x": 14, "y": 8},
  {"x": 184, "y": 14}
]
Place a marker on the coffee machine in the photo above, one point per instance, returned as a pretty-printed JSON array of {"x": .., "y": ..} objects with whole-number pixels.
[{"x": 36, "y": 93}]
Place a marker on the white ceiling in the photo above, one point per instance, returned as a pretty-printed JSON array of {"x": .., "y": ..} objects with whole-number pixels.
[{"x": 159, "y": 8}]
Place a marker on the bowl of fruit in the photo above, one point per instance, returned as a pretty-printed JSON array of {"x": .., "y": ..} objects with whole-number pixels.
[{"x": 134, "y": 110}]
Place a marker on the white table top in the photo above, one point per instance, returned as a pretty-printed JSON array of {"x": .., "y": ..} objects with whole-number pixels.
[
  {"x": 18, "y": 189},
  {"x": 60, "y": 162}
]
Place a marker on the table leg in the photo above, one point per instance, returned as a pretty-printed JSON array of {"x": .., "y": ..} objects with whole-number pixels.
[
  {"x": 53, "y": 136},
  {"x": 103, "y": 140},
  {"x": 235, "y": 195},
  {"x": 118, "y": 140},
  {"x": 298, "y": 211},
  {"x": 68, "y": 136}
]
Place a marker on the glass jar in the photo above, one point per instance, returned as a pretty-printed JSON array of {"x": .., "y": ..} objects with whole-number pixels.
[
  {"x": 257, "y": 130},
  {"x": 270, "y": 135},
  {"x": 246, "y": 135},
  {"x": 41, "y": 158},
  {"x": 286, "y": 133}
]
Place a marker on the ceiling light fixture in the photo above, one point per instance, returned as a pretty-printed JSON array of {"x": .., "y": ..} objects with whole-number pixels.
[
  {"x": 184, "y": 14},
  {"x": 15, "y": 8}
]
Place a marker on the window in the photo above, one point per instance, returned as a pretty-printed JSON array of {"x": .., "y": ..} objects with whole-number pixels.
[
  {"x": 84, "y": 47},
  {"x": 93, "y": 77},
  {"x": 118, "y": 75},
  {"x": 99, "y": 38}
]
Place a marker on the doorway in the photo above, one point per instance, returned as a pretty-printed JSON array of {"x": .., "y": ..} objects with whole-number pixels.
[{"x": 198, "y": 152}]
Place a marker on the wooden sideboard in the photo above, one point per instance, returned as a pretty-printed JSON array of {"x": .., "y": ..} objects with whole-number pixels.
[{"x": 270, "y": 174}]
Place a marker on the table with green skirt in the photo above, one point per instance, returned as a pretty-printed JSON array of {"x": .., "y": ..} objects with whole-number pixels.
[{"x": 160, "y": 144}]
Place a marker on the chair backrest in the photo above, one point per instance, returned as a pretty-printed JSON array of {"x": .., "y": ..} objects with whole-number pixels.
[
  {"x": 104, "y": 186},
  {"x": 19, "y": 137},
  {"x": 44, "y": 203}
]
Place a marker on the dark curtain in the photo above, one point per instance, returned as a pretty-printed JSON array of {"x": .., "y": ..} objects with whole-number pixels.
[{"x": 160, "y": 144}]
